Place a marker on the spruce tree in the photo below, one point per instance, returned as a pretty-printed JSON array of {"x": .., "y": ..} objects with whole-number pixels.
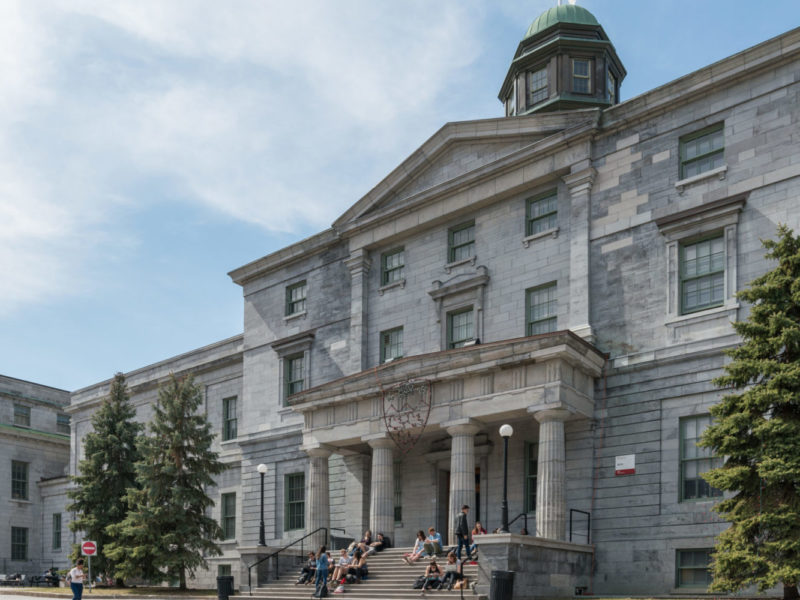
[
  {"x": 167, "y": 532},
  {"x": 758, "y": 429},
  {"x": 99, "y": 495}
]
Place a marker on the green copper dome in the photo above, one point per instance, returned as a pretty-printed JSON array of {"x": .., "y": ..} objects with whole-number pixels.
[{"x": 566, "y": 13}]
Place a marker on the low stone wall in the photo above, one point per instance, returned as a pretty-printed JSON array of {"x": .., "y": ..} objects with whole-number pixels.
[{"x": 542, "y": 568}]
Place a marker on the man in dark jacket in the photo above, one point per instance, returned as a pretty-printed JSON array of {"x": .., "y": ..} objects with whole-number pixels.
[{"x": 462, "y": 532}]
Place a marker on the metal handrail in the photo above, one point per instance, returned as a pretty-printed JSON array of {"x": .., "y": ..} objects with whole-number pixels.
[
  {"x": 588, "y": 523},
  {"x": 287, "y": 546},
  {"x": 525, "y": 519}
]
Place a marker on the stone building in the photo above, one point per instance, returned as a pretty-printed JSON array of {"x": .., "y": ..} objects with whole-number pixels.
[
  {"x": 569, "y": 269},
  {"x": 34, "y": 454}
]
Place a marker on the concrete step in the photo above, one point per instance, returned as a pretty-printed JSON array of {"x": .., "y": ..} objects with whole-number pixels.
[{"x": 390, "y": 578}]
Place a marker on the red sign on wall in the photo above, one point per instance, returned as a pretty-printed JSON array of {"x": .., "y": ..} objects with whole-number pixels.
[
  {"x": 625, "y": 465},
  {"x": 88, "y": 548}
]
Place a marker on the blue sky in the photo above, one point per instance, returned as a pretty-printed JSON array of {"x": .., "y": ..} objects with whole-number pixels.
[{"x": 149, "y": 147}]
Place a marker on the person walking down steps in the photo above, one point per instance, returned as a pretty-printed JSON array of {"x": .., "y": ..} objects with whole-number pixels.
[
  {"x": 462, "y": 532},
  {"x": 321, "y": 581}
]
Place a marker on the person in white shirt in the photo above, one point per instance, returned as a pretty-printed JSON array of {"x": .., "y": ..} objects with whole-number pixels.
[{"x": 76, "y": 577}]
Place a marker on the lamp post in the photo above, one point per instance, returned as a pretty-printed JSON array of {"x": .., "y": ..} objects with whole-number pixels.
[
  {"x": 262, "y": 540},
  {"x": 506, "y": 431}
]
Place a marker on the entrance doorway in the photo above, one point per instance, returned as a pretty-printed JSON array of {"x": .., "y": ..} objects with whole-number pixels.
[{"x": 443, "y": 504}]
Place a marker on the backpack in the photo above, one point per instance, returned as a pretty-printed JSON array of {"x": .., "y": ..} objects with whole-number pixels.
[{"x": 419, "y": 583}]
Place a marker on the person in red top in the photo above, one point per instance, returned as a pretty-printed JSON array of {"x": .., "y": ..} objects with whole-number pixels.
[{"x": 477, "y": 530}]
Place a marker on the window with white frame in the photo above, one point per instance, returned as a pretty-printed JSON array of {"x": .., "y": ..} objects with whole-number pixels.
[{"x": 702, "y": 273}]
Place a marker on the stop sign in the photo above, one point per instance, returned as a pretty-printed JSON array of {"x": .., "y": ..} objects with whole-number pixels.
[{"x": 88, "y": 548}]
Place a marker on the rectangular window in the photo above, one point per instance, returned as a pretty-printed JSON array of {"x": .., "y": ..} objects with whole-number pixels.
[
  {"x": 542, "y": 213},
  {"x": 19, "y": 543},
  {"x": 692, "y": 568},
  {"x": 542, "y": 307},
  {"x": 581, "y": 75},
  {"x": 22, "y": 415},
  {"x": 611, "y": 87},
  {"x": 62, "y": 424},
  {"x": 702, "y": 273},
  {"x": 19, "y": 480},
  {"x": 391, "y": 344},
  {"x": 537, "y": 86},
  {"x": 56, "y": 531},
  {"x": 228, "y": 516},
  {"x": 294, "y": 374},
  {"x": 461, "y": 242},
  {"x": 702, "y": 151},
  {"x": 696, "y": 460},
  {"x": 398, "y": 491},
  {"x": 296, "y": 298},
  {"x": 460, "y": 328},
  {"x": 392, "y": 266},
  {"x": 294, "y": 488},
  {"x": 223, "y": 570},
  {"x": 531, "y": 468},
  {"x": 229, "y": 421}
]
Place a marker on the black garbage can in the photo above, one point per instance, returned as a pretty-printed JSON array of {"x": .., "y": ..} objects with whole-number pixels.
[
  {"x": 502, "y": 586},
  {"x": 224, "y": 586}
]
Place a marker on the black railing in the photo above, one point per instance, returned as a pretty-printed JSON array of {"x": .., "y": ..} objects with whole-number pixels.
[
  {"x": 277, "y": 552},
  {"x": 588, "y": 523},
  {"x": 525, "y": 522},
  {"x": 335, "y": 539}
]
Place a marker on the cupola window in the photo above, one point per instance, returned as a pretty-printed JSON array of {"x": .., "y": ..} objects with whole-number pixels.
[
  {"x": 537, "y": 86},
  {"x": 581, "y": 76}
]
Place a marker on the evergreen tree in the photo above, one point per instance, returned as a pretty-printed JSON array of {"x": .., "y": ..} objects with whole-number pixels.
[
  {"x": 107, "y": 472},
  {"x": 167, "y": 532},
  {"x": 758, "y": 430}
]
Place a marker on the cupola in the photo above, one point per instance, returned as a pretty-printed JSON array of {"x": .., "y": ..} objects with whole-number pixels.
[{"x": 565, "y": 61}]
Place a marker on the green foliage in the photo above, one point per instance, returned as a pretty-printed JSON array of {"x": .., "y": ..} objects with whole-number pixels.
[
  {"x": 167, "y": 532},
  {"x": 106, "y": 474},
  {"x": 758, "y": 430}
]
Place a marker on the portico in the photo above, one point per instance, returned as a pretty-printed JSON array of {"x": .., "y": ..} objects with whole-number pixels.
[{"x": 540, "y": 383}]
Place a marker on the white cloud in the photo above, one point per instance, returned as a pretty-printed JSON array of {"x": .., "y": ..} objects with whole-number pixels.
[{"x": 263, "y": 111}]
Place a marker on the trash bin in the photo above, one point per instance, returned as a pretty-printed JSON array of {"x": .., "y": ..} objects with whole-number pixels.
[
  {"x": 224, "y": 586},
  {"x": 502, "y": 585}
]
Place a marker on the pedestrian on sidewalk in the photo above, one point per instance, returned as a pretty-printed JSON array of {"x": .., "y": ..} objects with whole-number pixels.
[{"x": 76, "y": 577}]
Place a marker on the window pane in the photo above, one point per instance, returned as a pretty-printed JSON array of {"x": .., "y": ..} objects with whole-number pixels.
[
  {"x": 56, "y": 531},
  {"x": 391, "y": 344},
  {"x": 703, "y": 274},
  {"x": 702, "y": 153},
  {"x": 462, "y": 242},
  {"x": 229, "y": 420},
  {"x": 62, "y": 424},
  {"x": 295, "y": 374},
  {"x": 295, "y": 500},
  {"x": 695, "y": 460},
  {"x": 537, "y": 86},
  {"x": 693, "y": 568},
  {"x": 19, "y": 480},
  {"x": 228, "y": 516},
  {"x": 296, "y": 298},
  {"x": 19, "y": 543},
  {"x": 542, "y": 309},
  {"x": 460, "y": 326},
  {"x": 22, "y": 415},
  {"x": 393, "y": 264}
]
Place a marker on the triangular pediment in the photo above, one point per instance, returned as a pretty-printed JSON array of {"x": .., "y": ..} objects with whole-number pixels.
[{"x": 452, "y": 155}]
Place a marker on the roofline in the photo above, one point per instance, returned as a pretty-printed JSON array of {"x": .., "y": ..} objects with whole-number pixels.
[
  {"x": 35, "y": 383},
  {"x": 239, "y": 338},
  {"x": 286, "y": 255}
]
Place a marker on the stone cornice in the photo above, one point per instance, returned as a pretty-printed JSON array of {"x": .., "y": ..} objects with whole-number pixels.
[
  {"x": 454, "y": 364},
  {"x": 298, "y": 251},
  {"x": 23, "y": 433}
]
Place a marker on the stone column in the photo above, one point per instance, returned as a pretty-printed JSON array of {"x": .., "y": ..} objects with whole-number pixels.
[
  {"x": 551, "y": 479},
  {"x": 318, "y": 513},
  {"x": 462, "y": 469},
  {"x": 579, "y": 182},
  {"x": 358, "y": 263},
  {"x": 381, "y": 505}
]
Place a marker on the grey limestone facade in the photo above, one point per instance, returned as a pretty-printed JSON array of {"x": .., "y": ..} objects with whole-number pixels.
[
  {"x": 34, "y": 454},
  {"x": 570, "y": 272}
]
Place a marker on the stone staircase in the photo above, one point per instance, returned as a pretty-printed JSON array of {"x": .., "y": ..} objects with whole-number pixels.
[{"x": 390, "y": 578}]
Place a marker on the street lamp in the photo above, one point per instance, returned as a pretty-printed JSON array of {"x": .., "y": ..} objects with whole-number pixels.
[
  {"x": 506, "y": 431},
  {"x": 262, "y": 540}
]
